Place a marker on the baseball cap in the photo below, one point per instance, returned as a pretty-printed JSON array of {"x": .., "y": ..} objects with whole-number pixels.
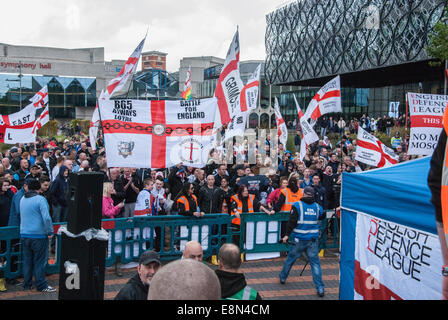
[
  {"x": 148, "y": 257},
  {"x": 308, "y": 192},
  {"x": 13, "y": 149}
]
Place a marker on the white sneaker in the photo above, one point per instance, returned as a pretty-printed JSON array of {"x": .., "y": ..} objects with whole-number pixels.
[{"x": 49, "y": 289}]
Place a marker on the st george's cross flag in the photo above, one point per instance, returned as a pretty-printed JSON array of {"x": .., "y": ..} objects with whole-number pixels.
[
  {"x": 326, "y": 100},
  {"x": 282, "y": 130},
  {"x": 309, "y": 136},
  {"x": 43, "y": 119},
  {"x": 371, "y": 151},
  {"x": 18, "y": 127},
  {"x": 248, "y": 102},
  {"x": 114, "y": 86},
  {"x": 40, "y": 99},
  {"x": 229, "y": 86},
  {"x": 157, "y": 134}
]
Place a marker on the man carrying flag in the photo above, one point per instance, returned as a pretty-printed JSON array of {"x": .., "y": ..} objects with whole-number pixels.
[
  {"x": 186, "y": 94},
  {"x": 371, "y": 151},
  {"x": 114, "y": 86}
]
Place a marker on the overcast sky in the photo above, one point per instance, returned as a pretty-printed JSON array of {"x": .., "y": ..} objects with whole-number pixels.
[{"x": 180, "y": 28}]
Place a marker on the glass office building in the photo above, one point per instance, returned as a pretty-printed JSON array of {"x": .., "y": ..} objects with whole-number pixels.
[
  {"x": 64, "y": 93},
  {"x": 376, "y": 46}
]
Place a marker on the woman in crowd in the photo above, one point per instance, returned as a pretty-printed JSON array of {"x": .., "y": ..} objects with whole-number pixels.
[
  {"x": 109, "y": 210},
  {"x": 187, "y": 202}
]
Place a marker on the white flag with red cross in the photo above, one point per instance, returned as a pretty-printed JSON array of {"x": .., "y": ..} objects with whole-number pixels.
[
  {"x": 43, "y": 118},
  {"x": 229, "y": 86},
  {"x": 371, "y": 151},
  {"x": 157, "y": 134},
  {"x": 282, "y": 130},
  {"x": 40, "y": 99},
  {"x": 309, "y": 136},
  {"x": 18, "y": 127},
  {"x": 326, "y": 100}
]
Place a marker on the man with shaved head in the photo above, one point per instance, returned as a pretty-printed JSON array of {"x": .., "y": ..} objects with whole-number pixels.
[
  {"x": 185, "y": 279},
  {"x": 193, "y": 250},
  {"x": 232, "y": 280}
]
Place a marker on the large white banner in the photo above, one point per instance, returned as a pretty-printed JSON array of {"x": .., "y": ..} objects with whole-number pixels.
[
  {"x": 394, "y": 261},
  {"x": 426, "y": 112},
  {"x": 18, "y": 127},
  {"x": 157, "y": 134}
]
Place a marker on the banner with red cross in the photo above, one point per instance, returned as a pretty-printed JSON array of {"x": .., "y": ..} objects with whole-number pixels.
[
  {"x": 371, "y": 151},
  {"x": 157, "y": 134}
]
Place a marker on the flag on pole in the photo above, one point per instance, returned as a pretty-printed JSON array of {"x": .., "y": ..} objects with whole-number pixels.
[
  {"x": 186, "y": 94},
  {"x": 282, "y": 130},
  {"x": 157, "y": 134},
  {"x": 326, "y": 100},
  {"x": 229, "y": 86},
  {"x": 40, "y": 99},
  {"x": 24, "y": 116},
  {"x": 18, "y": 127},
  {"x": 371, "y": 151},
  {"x": 249, "y": 94},
  {"x": 309, "y": 136},
  {"x": 114, "y": 86},
  {"x": 43, "y": 118}
]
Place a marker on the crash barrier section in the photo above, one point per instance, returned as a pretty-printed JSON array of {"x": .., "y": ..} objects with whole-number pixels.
[{"x": 129, "y": 237}]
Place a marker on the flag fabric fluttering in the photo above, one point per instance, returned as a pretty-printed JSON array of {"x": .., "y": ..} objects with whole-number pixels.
[
  {"x": 186, "y": 93},
  {"x": 114, "y": 86},
  {"x": 40, "y": 99},
  {"x": 309, "y": 136},
  {"x": 371, "y": 151},
  {"x": 18, "y": 127},
  {"x": 326, "y": 100},
  {"x": 43, "y": 118},
  {"x": 229, "y": 86},
  {"x": 282, "y": 130}
]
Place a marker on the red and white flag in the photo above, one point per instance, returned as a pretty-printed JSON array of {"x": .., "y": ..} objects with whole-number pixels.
[
  {"x": 114, "y": 87},
  {"x": 40, "y": 99},
  {"x": 43, "y": 118},
  {"x": 282, "y": 130},
  {"x": 370, "y": 150},
  {"x": 229, "y": 86},
  {"x": 326, "y": 100},
  {"x": 248, "y": 102},
  {"x": 157, "y": 134},
  {"x": 309, "y": 136},
  {"x": 18, "y": 127}
]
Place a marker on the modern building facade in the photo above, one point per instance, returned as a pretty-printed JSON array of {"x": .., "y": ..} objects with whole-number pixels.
[
  {"x": 377, "y": 47},
  {"x": 75, "y": 77}
]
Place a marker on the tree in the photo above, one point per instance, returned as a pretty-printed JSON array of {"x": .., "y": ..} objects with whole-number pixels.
[{"x": 437, "y": 47}]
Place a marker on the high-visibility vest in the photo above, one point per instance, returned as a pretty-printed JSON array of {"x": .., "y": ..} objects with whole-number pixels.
[
  {"x": 444, "y": 191},
  {"x": 244, "y": 294},
  {"x": 290, "y": 198},
  {"x": 239, "y": 203},
  {"x": 186, "y": 203}
]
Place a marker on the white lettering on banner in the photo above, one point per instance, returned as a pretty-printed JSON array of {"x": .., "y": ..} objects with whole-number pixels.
[{"x": 408, "y": 259}]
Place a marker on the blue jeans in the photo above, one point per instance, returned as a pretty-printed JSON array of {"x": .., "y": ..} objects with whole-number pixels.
[
  {"x": 35, "y": 258},
  {"x": 59, "y": 213},
  {"x": 312, "y": 251}
]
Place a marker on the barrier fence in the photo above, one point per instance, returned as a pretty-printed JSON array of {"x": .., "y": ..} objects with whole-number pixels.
[{"x": 129, "y": 237}]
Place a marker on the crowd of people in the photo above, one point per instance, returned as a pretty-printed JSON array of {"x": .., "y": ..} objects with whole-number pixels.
[{"x": 39, "y": 172}]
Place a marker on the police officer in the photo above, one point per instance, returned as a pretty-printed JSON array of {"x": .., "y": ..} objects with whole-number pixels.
[{"x": 303, "y": 234}]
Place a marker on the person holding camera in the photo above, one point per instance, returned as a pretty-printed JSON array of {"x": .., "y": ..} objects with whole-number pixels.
[{"x": 302, "y": 231}]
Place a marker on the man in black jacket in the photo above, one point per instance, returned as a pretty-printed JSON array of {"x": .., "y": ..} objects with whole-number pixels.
[
  {"x": 233, "y": 282},
  {"x": 137, "y": 287},
  {"x": 207, "y": 196}
]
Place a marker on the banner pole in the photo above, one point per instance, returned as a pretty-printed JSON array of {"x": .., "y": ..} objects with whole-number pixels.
[{"x": 406, "y": 125}]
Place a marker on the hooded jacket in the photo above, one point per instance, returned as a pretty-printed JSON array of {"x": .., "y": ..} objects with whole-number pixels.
[
  {"x": 59, "y": 188},
  {"x": 134, "y": 289},
  {"x": 231, "y": 283}
]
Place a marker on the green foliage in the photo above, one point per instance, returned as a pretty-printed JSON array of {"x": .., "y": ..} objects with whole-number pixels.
[
  {"x": 84, "y": 124},
  {"x": 50, "y": 129},
  {"x": 438, "y": 41}
]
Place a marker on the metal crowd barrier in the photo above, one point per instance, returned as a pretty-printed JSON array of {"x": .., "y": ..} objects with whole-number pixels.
[{"x": 129, "y": 237}]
